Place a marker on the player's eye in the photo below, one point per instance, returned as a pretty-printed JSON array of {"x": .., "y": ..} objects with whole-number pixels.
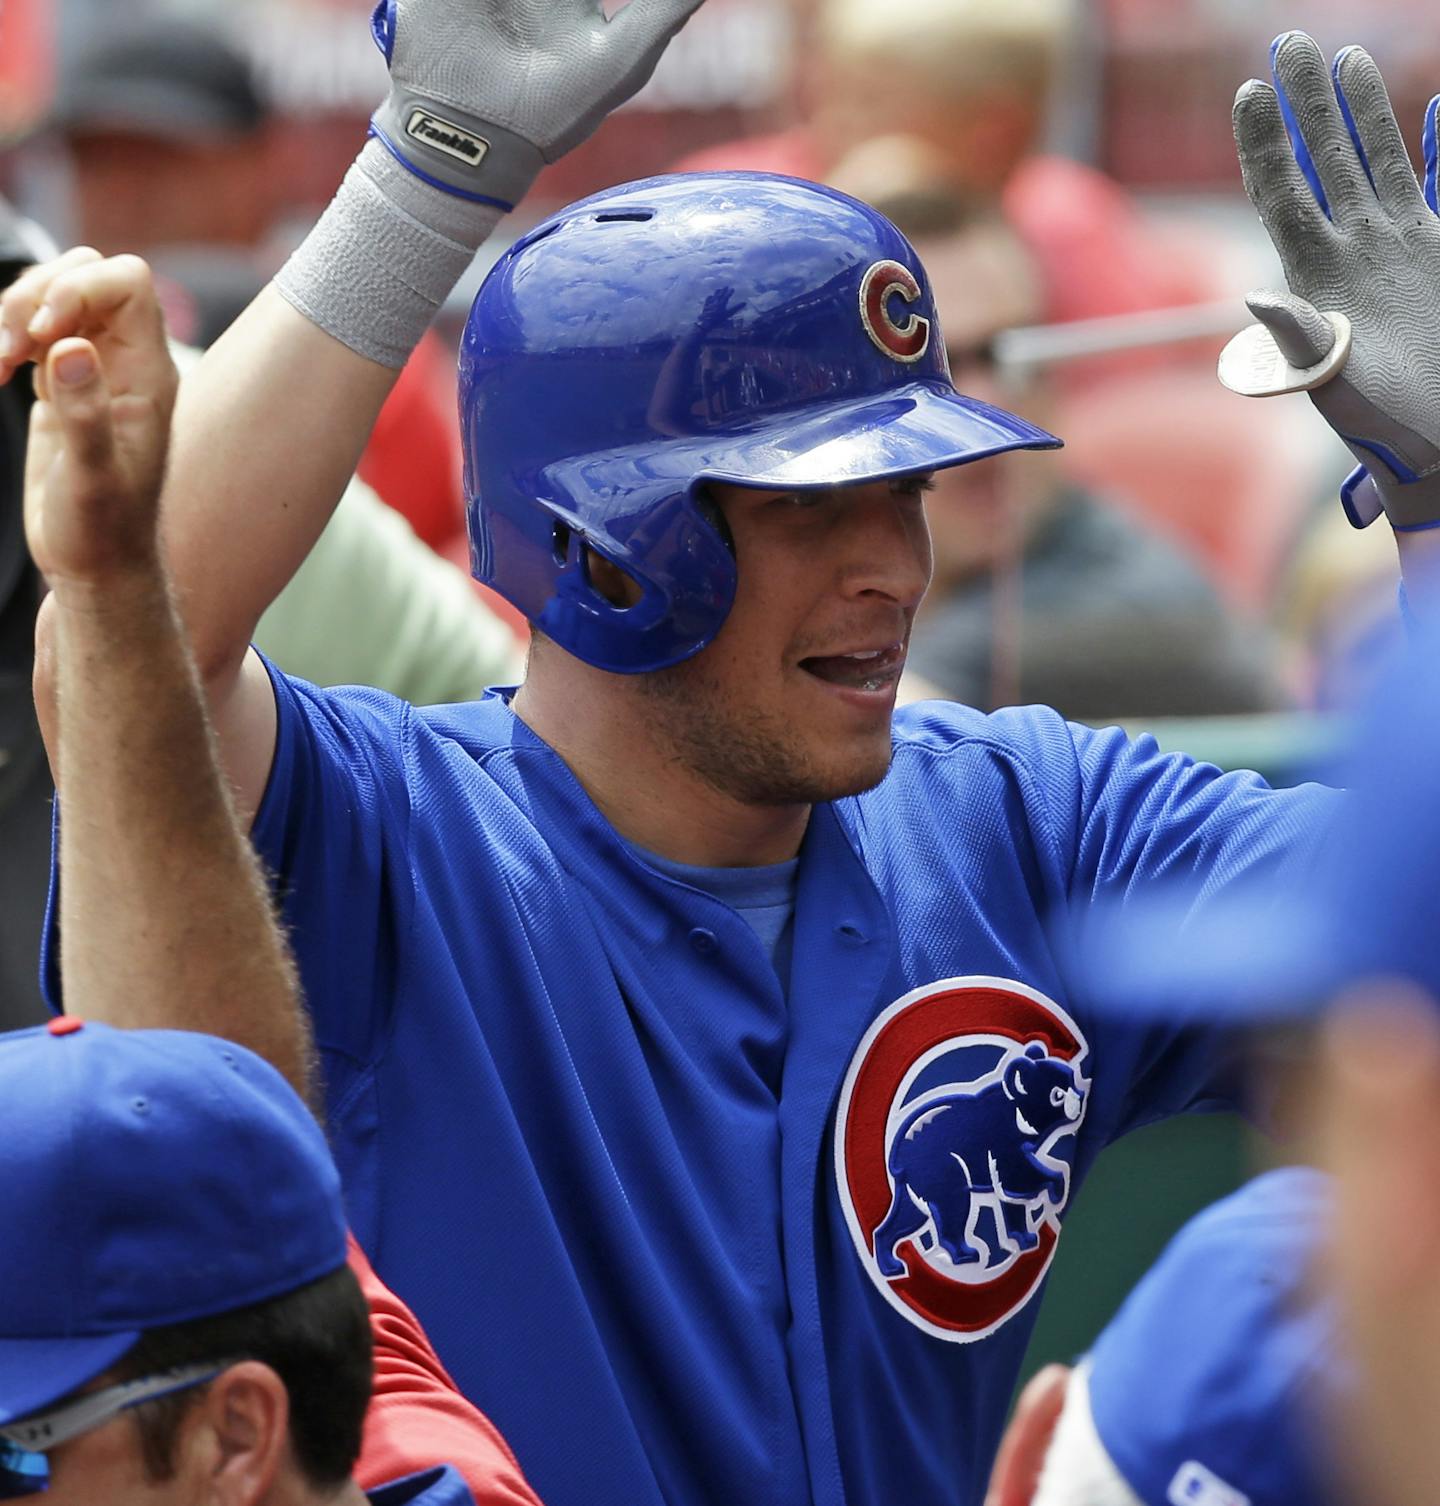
[{"x": 913, "y": 486}]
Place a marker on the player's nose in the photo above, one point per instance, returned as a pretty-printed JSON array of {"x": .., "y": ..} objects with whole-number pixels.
[{"x": 887, "y": 545}]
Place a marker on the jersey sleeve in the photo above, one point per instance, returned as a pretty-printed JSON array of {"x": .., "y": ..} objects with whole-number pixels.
[
  {"x": 333, "y": 830},
  {"x": 373, "y": 605},
  {"x": 1140, "y": 834},
  {"x": 1141, "y": 815},
  {"x": 417, "y": 1417}
]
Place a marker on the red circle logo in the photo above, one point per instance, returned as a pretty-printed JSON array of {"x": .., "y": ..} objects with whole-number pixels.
[
  {"x": 883, "y": 281},
  {"x": 953, "y": 1141}
]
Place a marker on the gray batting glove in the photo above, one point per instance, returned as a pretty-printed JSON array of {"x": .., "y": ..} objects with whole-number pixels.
[
  {"x": 485, "y": 92},
  {"x": 1326, "y": 168}
]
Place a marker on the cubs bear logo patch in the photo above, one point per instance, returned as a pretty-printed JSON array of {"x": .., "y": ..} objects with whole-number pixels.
[{"x": 953, "y": 1145}]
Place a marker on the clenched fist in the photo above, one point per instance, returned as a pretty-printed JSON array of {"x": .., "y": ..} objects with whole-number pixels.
[{"x": 105, "y": 390}]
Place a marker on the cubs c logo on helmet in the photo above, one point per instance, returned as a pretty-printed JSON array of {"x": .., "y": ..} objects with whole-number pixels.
[
  {"x": 883, "y": 281},
  {"x": 953, "y": 1144}
]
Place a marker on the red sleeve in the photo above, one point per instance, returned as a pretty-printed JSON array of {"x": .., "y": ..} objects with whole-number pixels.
[{"x": 417, "y": 1416}]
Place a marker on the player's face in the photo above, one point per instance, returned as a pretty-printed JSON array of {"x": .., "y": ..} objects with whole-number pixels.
[
  {"x": 107, "y": 1465},
  {"x": 792, "y": 701}
]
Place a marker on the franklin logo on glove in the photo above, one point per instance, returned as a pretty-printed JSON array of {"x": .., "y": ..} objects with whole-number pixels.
[{"x": 445, "y": 137}]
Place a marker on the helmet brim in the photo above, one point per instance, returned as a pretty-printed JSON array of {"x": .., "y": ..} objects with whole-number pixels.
[{"x": 925, "y": 426}]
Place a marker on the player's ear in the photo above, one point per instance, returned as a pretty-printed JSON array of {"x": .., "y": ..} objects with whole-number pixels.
[
  {"x": 1027, "y": 1439},
  {"x": 617, "y": 586},
  {"x": 247, "y": 1419}
]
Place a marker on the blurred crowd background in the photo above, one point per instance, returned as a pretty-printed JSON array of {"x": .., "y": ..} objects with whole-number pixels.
[{"x": 1066, "y": 170}]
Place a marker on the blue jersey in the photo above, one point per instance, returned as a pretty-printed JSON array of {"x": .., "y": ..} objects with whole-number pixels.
[{"x": 687, "y": 1236}]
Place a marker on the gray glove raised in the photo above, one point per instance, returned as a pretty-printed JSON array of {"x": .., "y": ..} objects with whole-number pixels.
[
  {"x": 484, "y": 93},
  {"x": 1357, "y": 240}
]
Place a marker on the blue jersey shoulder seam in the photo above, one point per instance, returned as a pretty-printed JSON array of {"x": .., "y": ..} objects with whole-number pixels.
[{"x": 1036, "y": 796}]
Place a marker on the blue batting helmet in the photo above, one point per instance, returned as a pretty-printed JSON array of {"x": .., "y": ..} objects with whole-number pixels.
[{"x": 735, "y": 327}]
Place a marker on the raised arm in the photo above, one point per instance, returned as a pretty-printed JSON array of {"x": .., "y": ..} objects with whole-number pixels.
[
  {"x": 165, "y": 917},
  {"x": 483, "y": 94},
  {"x": 1326, "y": 167}
]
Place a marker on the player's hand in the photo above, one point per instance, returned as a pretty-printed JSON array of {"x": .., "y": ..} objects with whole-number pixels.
[
  {"x": 485, "y": 92},
  {"x": 1325, "y": 165},
  {"x": 104, "y": 393},
  {"x": 1021, "y": 1456}
]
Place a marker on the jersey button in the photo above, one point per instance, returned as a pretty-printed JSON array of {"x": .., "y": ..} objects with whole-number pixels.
[{"x": 704, "y": 941}]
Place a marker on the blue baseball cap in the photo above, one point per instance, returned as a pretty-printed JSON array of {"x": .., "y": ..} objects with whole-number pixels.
[
  {"x": 149, "y": 1177},
  {"x": 1282, "y": 945},
  {"x": 1205, "y": 1387}
]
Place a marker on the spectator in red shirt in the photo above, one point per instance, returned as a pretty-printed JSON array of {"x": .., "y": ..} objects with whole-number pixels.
[{"x": 974, "y": 80}]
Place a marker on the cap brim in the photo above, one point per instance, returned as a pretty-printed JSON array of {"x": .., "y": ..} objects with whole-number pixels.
[
  {"x": 924, "y": 426},
  {"x": 35, "y": 1373}
]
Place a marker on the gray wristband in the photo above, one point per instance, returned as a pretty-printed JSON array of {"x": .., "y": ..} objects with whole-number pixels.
[
  {"x": 444, "y": 145},
  {"x": 382, "y": 258}
]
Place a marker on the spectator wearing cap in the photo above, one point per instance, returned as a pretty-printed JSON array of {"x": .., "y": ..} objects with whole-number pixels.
[
  {"x": 167, "y": 135},
  {"x": 181, "y": 1324},
  {"x": 1211, "y": 1384}
]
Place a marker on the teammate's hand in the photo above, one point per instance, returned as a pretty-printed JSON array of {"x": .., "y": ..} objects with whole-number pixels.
[
  {"x": 1325, "y": 165},
  {"x": 99, "y": 431},
  {"x": 485, "y": 92}
]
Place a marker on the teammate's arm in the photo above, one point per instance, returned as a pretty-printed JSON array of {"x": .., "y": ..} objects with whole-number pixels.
[
  {"x": 165, "y": 917},
  {"x": 483, "y": 94},
  {"x": 166, "y": 920}
]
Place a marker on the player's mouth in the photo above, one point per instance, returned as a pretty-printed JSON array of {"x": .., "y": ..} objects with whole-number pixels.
[{"x": 871, "y": 671}]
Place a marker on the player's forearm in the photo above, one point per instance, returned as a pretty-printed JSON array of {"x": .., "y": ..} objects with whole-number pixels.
[
  {"x": 268, "y": 429},
  {"x": 165, "y": 918}
]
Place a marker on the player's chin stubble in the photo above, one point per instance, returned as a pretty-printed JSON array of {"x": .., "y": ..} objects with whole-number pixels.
[{"x": 749, "y": 753}]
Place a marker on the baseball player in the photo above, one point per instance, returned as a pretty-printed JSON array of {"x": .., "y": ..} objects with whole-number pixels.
[
  {"x": 695, "y": 1055},
  {"x": 179, "y": 1323},
  {"x": 1213, "y": 1384}
]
